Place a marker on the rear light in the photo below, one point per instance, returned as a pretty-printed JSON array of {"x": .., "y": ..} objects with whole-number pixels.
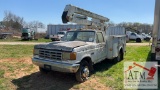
[{"x": 157, "y": 49}]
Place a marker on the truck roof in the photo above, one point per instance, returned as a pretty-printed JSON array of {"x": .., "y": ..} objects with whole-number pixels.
[
  {"x": 62, "y": 31},
  {"x": 87, "y": 30}
]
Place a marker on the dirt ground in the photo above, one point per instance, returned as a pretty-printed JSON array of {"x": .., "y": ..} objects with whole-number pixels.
[
  {"x": 31, "y": 79},
  {"x": 138, "y": 44}
]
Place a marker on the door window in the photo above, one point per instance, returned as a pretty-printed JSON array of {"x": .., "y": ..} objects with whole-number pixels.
[
  {"x": 133, "y": 34},
  {"x": 100, "y": 38}
]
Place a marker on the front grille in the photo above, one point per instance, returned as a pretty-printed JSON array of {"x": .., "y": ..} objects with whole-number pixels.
[{"x": 50, "y": 54}]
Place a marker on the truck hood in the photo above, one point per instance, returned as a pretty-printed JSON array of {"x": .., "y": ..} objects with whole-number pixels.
[
  {"x": 140, "y": 36},
  {"x": 148, "y": 36},
  {"x": 61, "y": 45},
  {"x": 60, "y": 35}
]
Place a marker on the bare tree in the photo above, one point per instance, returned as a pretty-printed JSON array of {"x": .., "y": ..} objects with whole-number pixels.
[
  {"x": 110, "y": 23},
  {"x": 36, "y": 24},
  {"x": 12, "y": 20},
  {"x": 138, "y": 27}
]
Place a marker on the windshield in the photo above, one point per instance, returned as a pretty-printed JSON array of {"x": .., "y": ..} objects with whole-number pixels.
[
  {"x": 86, "y": 36},
  {"x": 25, "y": 34},
  {"x": 61, "y": 33},
  {"x": 143, "y": 34}
]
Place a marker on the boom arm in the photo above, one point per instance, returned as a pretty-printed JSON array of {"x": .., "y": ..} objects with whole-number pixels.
[{"x": 80, "y": 16}]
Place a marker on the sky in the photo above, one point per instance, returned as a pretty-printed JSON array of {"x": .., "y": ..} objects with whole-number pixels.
[{"x": 50, "y": 11}]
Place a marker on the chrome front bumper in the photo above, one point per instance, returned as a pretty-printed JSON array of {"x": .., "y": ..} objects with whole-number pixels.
[{"x": 56, "y": 65}]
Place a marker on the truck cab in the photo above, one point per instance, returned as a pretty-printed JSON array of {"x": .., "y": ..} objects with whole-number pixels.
[
  {"x": 78, "y": 47},
  {"x": 27, "y": 34},
  {"x": 58, "y": 36}
]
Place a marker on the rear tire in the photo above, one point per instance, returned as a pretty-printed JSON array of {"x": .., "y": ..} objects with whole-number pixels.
[
  {"x": 119, "y": 57},
  {"x": 83, "y": 72},
  {"x": 153, "y": 56}
]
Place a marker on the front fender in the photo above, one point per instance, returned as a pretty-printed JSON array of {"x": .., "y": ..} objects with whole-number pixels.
[
  {"x": 83, "y": 55},
  {"x": 86, "y": 55}
]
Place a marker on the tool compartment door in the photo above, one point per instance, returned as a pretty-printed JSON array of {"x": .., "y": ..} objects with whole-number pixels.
[{"x": 115, "y": 46}]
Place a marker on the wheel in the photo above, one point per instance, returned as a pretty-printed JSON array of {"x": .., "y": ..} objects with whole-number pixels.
[
  {"x": 42, "y": 70},
  {"x": 119, "y": 57},
  {"x": 83, "y": 72},
  {"x": 147, "y": 39},
  {"x": 138, "y": 40},
  {"x": 53, "y": 39},
  {"x": 153, "y": 55},
  {"x": 4, "y": 37}
]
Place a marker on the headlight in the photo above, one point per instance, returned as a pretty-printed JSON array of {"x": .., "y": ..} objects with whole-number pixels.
[
  {"x": 65, "y": 56},
  {"x": 35, "y": 51},
  {"x": 69, "y": 56}
]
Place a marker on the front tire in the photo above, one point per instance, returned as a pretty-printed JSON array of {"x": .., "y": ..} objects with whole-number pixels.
[
  {"x": 138, "y": 40},
  {"x": 42, "y": 70},
  {"x": 83, "y": 72}
]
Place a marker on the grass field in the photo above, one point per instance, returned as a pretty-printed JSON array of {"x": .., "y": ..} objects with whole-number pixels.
[
  {"x": 18, "y": 72},
  {"x": 15, "y": 51},
  {"x": 133, "y": 41}
]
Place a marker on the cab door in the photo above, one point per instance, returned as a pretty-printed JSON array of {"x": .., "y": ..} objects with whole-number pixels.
[
  {"x": 101, "y": 51},
  {"x": 133, "y": 36}
]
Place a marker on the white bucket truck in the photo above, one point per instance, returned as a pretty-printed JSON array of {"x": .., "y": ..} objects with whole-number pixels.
[{"x": 80, "y": 49}]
